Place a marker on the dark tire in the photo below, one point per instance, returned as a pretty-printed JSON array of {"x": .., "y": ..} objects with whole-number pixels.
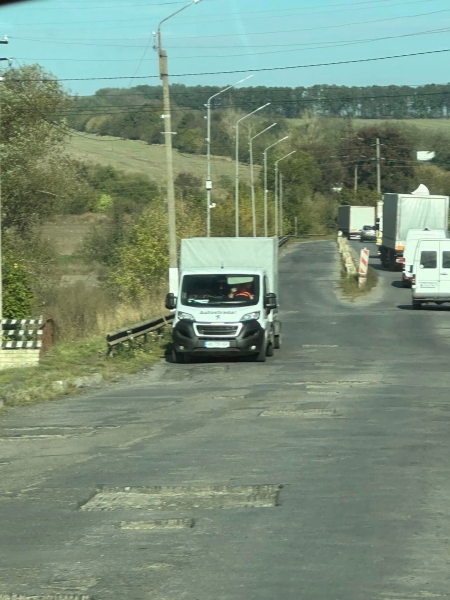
[
  {"x": 261, "y": 356},
  {"x": 277, "y": 342},
  {"x": 188, "y": 359},
  {"x": 405, "y": 283},
  {"x": 177, "y": 357},
  {"x": 270, "y": 350},
  {"x": 416, "y": 305}
]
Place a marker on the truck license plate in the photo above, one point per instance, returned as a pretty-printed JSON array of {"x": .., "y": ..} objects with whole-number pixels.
[
  {"x": 217, "y": 344},
  {"x": 427, "y": 285}
]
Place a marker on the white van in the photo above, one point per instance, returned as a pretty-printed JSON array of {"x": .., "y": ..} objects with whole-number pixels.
[
  {"x": 431, "y": 272},
  {"x": 412, "y": 239}
]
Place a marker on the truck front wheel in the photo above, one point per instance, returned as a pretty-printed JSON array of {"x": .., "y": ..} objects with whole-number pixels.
[{"x": 261, "y": 356}]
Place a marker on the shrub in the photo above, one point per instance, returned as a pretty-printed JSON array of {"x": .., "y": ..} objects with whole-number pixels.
[{"x": 17, "y": 288}]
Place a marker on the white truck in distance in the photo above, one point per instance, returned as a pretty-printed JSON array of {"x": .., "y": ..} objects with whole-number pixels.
[
  {"x": 227, "y": 299},
  {"x": 351, "y": 219},
  {"x": 402, "y": 212}
]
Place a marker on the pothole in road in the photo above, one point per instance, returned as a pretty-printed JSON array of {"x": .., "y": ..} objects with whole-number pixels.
[
  {"x": 184, "y": 498},
  {"x": 161, "y": 524},
  {"x": 52, "y": 432},
  {"x": 305, "y": 413},
  {"x": 320, "y": 346},
  {"x": 46, "y": 597}
]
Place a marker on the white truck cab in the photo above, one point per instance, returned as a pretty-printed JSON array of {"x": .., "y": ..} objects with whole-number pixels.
[
  {"x": 412, "y": 240},
  {"x": 226, "y": 302},
  {"x": 431, "y": 272}
]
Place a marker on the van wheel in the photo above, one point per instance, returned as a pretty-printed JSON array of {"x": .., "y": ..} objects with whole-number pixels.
[
  {"x": 416, "y": 305},
  {"x": 270, "y": 349},
  {"x": 277, "y": 342}
]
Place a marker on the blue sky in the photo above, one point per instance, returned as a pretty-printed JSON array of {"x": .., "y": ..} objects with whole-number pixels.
[{"x": 112, "y": 38}]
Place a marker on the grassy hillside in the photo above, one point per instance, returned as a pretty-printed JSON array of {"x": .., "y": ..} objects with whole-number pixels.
[{"x": 139, "y": 157}]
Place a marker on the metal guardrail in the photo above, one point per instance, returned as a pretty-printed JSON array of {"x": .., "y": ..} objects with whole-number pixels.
[{"x": 128, "y": 334}]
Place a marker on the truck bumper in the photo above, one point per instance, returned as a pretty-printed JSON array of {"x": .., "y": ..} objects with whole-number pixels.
[{"x": 249, "y": 341}]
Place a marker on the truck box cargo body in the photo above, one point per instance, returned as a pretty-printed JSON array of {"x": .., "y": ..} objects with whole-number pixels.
[
  {"x": 226, "y": 303},
  {"x": 402, "y": 212},
  {"x": 351, "y": 219}
]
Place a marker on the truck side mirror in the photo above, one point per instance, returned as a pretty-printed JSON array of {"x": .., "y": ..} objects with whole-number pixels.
[
  {"x": 270, "y": 301},
  {"x": 171, "y": 301}
]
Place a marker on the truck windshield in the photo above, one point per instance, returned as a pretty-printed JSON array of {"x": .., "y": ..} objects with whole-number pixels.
[{"x": 220, "y": 290}]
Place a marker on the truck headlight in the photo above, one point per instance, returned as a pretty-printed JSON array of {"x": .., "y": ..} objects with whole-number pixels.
[
  {"x": 185, "y": 316},
  {"x": 251, "y": 316}
]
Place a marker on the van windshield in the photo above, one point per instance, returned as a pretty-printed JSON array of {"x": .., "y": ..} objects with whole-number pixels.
[{"x": 220, "y": 290}]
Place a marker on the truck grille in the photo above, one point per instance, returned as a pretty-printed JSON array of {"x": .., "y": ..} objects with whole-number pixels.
[{"x": 212, "y": 330}]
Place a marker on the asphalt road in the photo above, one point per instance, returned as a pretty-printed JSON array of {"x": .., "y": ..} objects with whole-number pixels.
[{"x": 168, "y": 489}]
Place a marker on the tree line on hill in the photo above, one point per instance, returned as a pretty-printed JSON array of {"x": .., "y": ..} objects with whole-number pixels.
[{"x": 135, "y": 113}]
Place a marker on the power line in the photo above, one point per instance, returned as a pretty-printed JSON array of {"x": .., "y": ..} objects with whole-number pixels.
[
  {"x": 40, "y": 8},
  {"x": 260, "y": 70},
  {"x": 313, "y": 45},
  {"x": 328, "y": 10},
  {"x": 435, "y": 12}
]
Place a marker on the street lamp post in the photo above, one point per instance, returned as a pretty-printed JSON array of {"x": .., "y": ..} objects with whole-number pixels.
[
  {"x": 236, "y": 190},
  {"x": 164, "y": 75},
  {"x": 266, "y": 231},
  {"x": 4, "y": 41},
  {"x": 208, "y": 153},
  {"x": 276, "y": 189},
  {"x": 252, "y": 179}
]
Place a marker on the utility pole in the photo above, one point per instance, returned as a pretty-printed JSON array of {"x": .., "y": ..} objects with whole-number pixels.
[
  {"x": 378, "y": 166},
  {"x": 281, "y": 205},
  {"x": 208, "y": 153},
  {"x": 266, "y": 231},
  {"x": 236, "y": 186},
  {"x": 171, "y": 212},
  {"x": 252, "y": 179},
  {"x": 356, "y": 178},
  {"x": 4, "y": 41},
  {"x": 276, "y": 189}
]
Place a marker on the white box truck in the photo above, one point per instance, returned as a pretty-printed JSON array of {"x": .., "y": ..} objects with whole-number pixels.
[
  {"x": 402, "y": 212},
  {"x": 351, "y": 219},
  {"x": 227, "y": 299}
]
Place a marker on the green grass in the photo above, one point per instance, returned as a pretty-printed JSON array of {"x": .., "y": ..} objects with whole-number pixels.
[
  {"x": 139, "y": 157},
  {"x": 349, "y": 284},
  {"x": 69, "y": 360}
]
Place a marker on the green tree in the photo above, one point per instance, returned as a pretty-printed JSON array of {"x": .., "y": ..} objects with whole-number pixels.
[
  {"x": 18, "y": 295},
  {"x": 397, "y": 152},
  {"x": 37, "y": 177}
]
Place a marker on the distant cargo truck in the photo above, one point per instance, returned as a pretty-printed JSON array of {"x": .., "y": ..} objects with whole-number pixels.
[
  {"x": 402, "y": 212},
  {"x": 351, "y": 219}
]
